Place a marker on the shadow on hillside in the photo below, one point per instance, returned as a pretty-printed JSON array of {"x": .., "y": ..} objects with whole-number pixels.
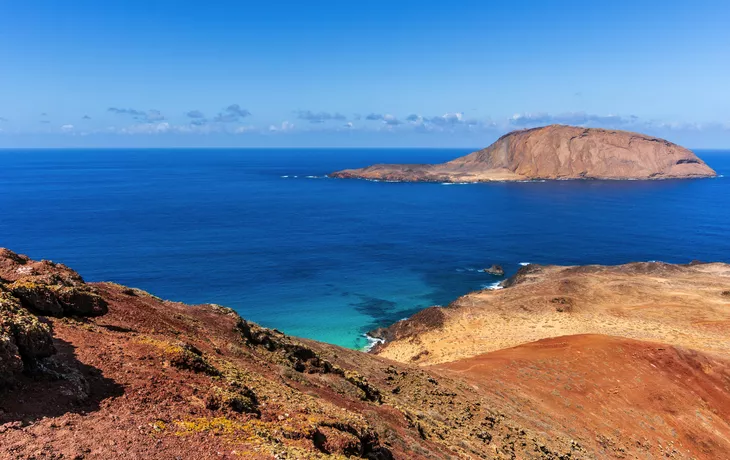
[{"x": 62, "y": 385}]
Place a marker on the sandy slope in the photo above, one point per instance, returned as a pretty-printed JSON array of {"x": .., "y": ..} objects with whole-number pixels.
[{"x": 685, "y": 305}]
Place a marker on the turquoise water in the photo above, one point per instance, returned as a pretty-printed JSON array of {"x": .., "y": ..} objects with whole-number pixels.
[{"x": 330, "y": 259}]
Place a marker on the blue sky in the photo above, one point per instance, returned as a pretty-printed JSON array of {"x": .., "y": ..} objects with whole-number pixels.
[{"x": 374, "y": 73}]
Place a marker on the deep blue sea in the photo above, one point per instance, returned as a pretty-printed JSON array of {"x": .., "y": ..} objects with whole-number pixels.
[{"x": 264, "y": 232}]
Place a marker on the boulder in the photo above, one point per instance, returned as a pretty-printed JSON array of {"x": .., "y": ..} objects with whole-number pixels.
[
  {"x": 495, "y": 270},
  {"x": 24, "y": 338}
]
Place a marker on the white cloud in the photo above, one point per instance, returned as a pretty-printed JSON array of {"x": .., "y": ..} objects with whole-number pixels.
[
  {"x": 146, "y": 128},
  {"x": 391, "y": 120},
  {"x": 285, "y": 126},
  {"x": 570, "y": 118},
  {"x": 319, "y": 117}
]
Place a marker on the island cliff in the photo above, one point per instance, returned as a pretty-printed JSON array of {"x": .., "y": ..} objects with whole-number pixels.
[
  {"x": 104, "y": 371},
  {"x": 553, "y": 152}
]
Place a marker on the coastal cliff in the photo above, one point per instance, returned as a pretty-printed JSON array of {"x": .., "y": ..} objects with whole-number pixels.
[
  {"x": 553, "y": 152},
  {"x": 100, "y": 370}
]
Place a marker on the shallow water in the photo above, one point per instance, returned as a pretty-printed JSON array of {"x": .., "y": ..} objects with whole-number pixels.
[{"x": 330, "y": 259}]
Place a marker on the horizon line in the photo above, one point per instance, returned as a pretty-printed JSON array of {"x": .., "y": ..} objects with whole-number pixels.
[{"x": 721, "y": 149}]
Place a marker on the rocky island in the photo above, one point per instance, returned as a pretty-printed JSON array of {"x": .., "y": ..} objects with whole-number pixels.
[
  {"x": 100, "y": 370},
  {"x": 553, "y": 152}
]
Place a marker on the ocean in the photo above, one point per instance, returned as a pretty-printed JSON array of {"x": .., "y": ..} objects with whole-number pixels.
[{"x": 265, "y": 232}]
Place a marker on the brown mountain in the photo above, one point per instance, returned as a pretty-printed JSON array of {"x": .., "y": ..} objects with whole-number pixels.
[
  {"x": 553, "y": 152},
  {"x": 103, "y": 371}
]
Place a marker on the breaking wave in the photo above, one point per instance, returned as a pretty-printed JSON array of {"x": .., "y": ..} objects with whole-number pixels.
[
  {"x": 493, "y": 286},
  {"x": 372, "y": 341}
]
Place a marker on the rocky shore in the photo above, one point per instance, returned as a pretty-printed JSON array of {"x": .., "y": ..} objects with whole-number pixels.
[
  {"x": 100, "y": 370},
  {"x": 552, "y": 153}
]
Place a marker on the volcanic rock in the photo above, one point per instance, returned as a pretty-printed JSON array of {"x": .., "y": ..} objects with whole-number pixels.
[{"x": 495, "y": 270}]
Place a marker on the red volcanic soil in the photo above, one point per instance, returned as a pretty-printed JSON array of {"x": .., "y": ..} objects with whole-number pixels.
[
  {"x": 132, "y": 392},
  {"x": 630, "y": 398}
]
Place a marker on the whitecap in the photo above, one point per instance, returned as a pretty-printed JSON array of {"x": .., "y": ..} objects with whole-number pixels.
[
  {"x": 284, "y": 177},
  {"x": 493, "y": 286},
  {"x": 524, "y": 263},
  {"x": 372, "y": 341}
]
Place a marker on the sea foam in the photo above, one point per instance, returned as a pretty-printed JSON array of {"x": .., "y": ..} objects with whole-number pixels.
[
  {"x": 493, "y": 286},
  {"x": 372, "y": 341}
]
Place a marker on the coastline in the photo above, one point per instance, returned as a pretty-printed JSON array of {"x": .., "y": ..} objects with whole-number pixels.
[
  {"x": 285, "y": 252},
  {"x": 536, "y": 180},
  {"x": 544, "y": 301},
  {"x": 213, "y": 376}
]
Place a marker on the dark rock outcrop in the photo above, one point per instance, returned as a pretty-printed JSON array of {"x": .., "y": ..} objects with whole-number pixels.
[
  {"x": 495, "y": 270},
  {"x": 58, "y": 300},
  {"x": 24, "y": 338},
  {"x": 426, "y": 319},
  {"x": 30, "y": 290}
]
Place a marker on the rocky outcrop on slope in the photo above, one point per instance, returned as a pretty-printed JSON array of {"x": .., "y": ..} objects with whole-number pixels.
[
  {"x": 553, "y": 152},
  {"x": 28, "y": 290}
]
